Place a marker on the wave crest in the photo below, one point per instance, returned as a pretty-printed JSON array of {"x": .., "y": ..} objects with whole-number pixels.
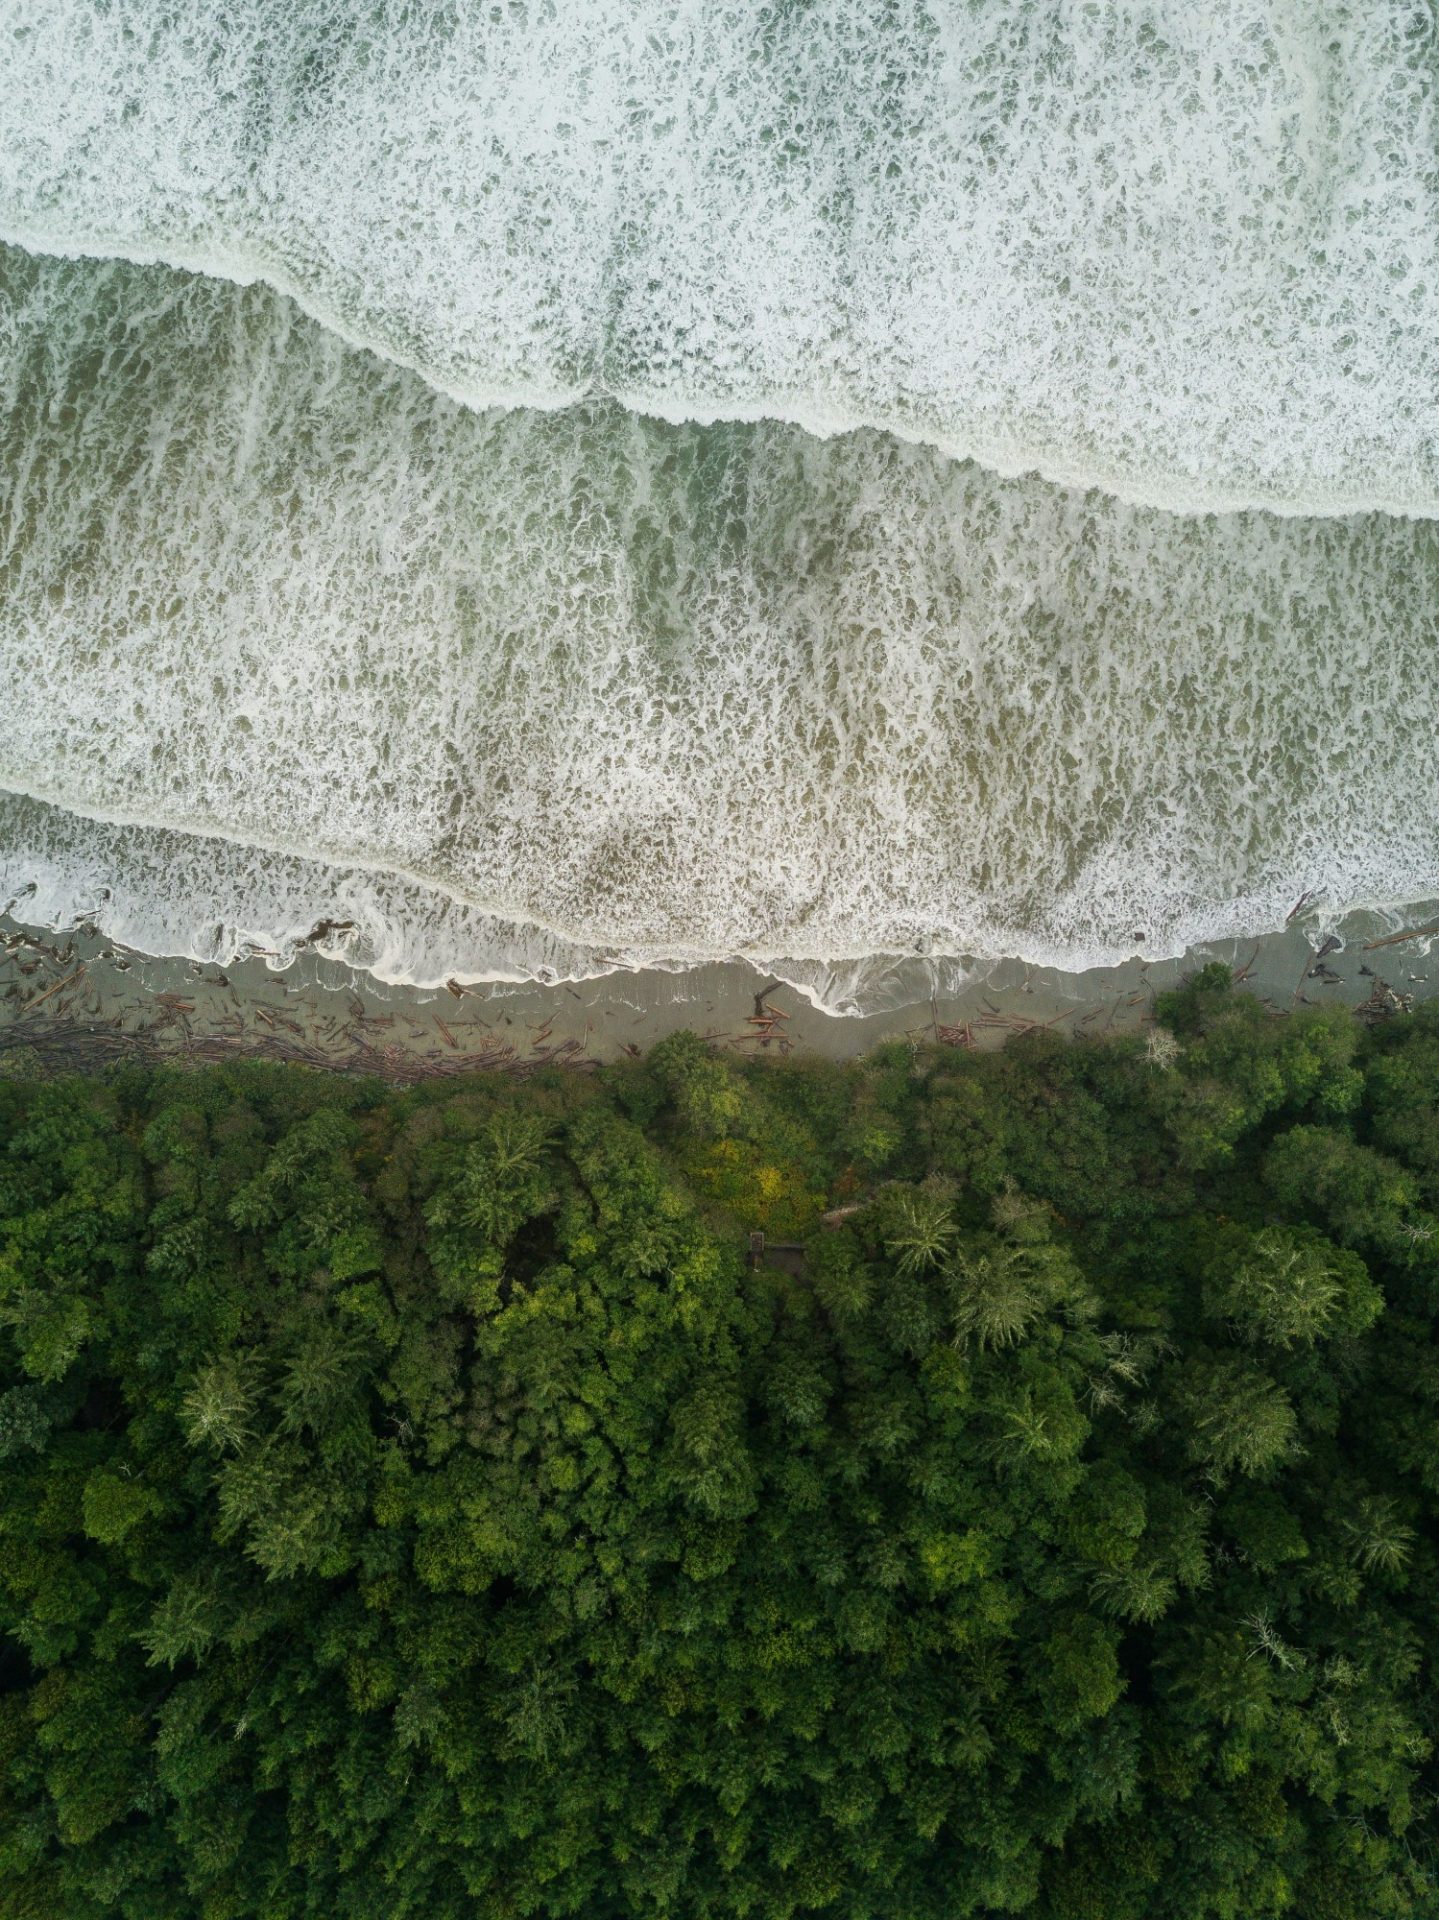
[
  {"x": 1190, "y": 258},
  {"x": 672, "y": 692}
]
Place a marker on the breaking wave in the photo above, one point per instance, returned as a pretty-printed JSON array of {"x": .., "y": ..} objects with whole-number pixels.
[
  {"x": 530, "y": 694},
  {"x": 1189, "y": 255}
]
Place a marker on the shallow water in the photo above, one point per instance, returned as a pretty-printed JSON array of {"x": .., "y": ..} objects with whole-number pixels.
[{"x": 421, "y": 596}]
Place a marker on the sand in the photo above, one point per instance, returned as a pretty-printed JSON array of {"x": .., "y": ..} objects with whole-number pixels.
[{"x": 74, "y": 1000}]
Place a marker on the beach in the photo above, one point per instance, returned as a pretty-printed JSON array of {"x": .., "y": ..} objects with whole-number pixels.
[{"x": 74, "y": 999}]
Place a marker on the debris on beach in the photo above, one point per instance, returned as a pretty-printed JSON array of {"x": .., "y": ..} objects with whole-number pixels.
[
  {"x": 1406, "y": 933},
  {"x": 1383, "y": 1003}
]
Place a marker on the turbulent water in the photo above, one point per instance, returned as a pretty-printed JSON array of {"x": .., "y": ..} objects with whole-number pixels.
[{"x": 573, "y": 485}]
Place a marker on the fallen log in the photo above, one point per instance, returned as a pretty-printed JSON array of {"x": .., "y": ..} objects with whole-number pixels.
[{"x": 1407, "y": 933}]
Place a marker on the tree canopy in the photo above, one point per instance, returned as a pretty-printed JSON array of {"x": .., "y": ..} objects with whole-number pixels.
[{"x": 417, "y": 1504}]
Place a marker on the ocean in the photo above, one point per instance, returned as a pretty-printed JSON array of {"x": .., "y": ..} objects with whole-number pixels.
[{"x": 564, "y": 487}]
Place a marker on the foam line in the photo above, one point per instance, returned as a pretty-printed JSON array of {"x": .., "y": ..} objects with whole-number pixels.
[
  {"x": 59, "y": 869},
  {"x": 1186, "y": 255},
  {"x": 661, "y": 691}
]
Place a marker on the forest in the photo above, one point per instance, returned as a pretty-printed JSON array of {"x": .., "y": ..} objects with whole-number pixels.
[{"x": 423, "y": 1505}]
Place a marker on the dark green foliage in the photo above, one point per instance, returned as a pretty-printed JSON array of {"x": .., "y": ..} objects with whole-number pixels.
[{"x": 415, "y": 1505}]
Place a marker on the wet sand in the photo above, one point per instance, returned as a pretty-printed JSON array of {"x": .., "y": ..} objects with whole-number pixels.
[{"x": 74, "y": 1000}]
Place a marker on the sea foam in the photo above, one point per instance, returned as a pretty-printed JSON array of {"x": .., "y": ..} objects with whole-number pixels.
[
  {"x": 532, "y": 693},
  {"x": 1188, "y": 254}
]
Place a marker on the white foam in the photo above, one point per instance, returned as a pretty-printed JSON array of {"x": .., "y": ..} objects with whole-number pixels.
[
  {"x": 555, "y": 691},
  {"x": 159, "y": 892},
  {"x": 1188, "y": 254}
]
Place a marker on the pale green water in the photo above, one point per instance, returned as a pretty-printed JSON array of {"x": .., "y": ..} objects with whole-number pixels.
[
  {"x": 1186, "y": 253},
  {"x": 531, "y": 679}
]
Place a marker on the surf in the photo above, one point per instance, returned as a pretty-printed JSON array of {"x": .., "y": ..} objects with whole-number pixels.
[
  {"x": 1188, "y": 260},
  {"x": 285, "y": 629}
]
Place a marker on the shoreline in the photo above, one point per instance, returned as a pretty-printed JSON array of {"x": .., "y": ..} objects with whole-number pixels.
[{"x": 74, "y": 1001}]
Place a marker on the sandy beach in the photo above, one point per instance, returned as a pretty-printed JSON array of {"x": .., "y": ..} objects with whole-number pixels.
[{"x": 73, "y": 999}]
